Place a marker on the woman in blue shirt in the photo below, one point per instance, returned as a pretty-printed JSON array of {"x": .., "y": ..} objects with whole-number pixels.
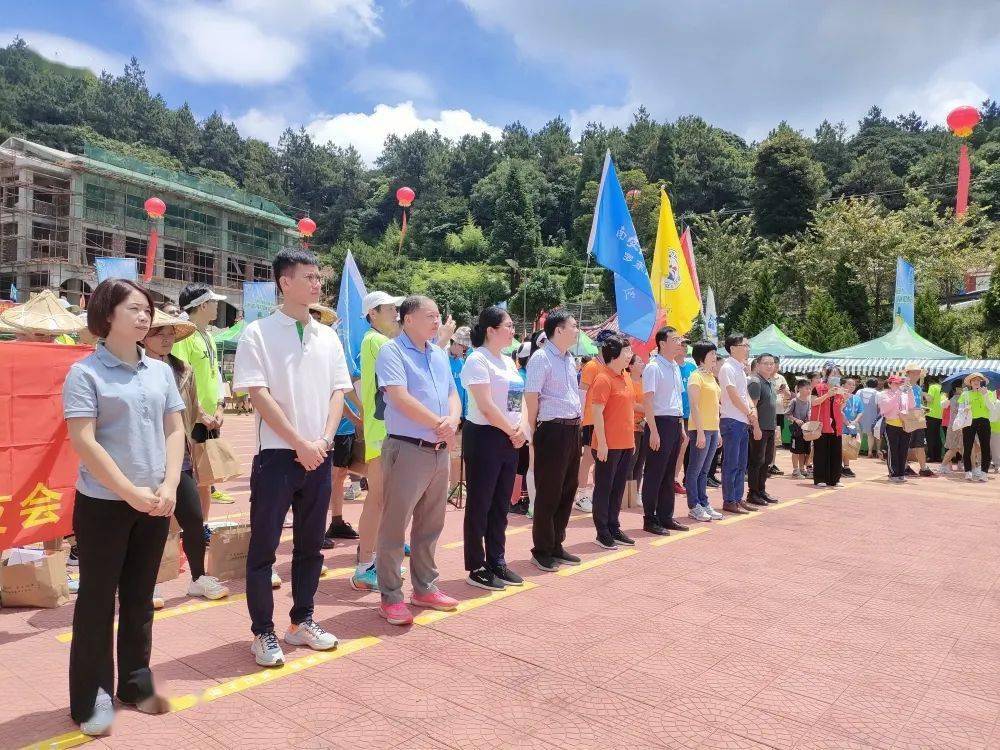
[{"x": 123, "y": 412}]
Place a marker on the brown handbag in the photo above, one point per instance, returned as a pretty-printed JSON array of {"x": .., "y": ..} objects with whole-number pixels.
[{"x": 215, "y": 461}]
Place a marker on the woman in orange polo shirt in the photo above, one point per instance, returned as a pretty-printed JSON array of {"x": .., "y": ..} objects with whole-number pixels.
[{"x": 612, "y": 407}]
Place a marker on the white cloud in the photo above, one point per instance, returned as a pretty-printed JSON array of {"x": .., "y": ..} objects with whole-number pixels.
[
  {"x": 367, "y": 132},
  {"x": 67, "y": 51},
  {"x": 266, "y": 126},
  {"x": 747, "y": 66},
  {"x": 389, "y": 83},
  {"x": 253, "y": 42}
]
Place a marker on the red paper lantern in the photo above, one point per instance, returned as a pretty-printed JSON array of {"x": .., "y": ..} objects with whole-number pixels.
[
  {"x": 306, "y": 226},
  {"x": 155, "y": 207},
  {"x": 405, "y": 196},
  {"x": 962, "y": 120}
]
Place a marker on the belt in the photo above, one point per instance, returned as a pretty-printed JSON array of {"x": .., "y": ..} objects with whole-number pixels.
[
  {"x": 562, "y": 420},
  {"x": 420, "y": 443}
]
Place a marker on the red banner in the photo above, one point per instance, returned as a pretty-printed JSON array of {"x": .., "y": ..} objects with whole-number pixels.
[{"x": 37, "y": 464}]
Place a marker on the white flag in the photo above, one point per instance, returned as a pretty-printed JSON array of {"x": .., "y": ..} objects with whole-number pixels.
[{"x": 711, "y": 318}]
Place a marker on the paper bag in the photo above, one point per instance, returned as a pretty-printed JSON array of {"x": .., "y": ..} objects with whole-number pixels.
[
  {"x": 227, "y": 553},
  {"x": 913, "y": 420},
  {"x": 215, "y": 462},
  {"x": 40, "y": 583},
  {"x": 170, "y": 563},
  {"x": 851, "y": 447}
]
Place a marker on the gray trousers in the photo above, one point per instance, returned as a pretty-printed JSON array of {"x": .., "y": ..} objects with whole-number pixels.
[{"x": 416, "y": 486}]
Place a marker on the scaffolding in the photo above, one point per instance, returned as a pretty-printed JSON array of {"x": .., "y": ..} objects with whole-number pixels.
[{"x": 59, "y": 212}]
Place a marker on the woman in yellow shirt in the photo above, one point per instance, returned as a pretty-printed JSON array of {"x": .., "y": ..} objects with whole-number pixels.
[{"x": 703, "y": 430}]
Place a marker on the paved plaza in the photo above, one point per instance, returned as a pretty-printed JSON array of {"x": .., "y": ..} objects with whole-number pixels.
[{"x": 867, "y": 616}]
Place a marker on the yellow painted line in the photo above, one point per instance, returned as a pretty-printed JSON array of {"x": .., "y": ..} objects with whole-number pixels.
[
  {"x": 787, "y": 503},
  {"x": 166, "y": 614},
  {"x": 452, "y": 545},
  {"x": 734, "y": 519},
  {"x": 679, "y": 537},
  {"x": 573, "y": 570},
  {"x": 822, "y": 492},
  {"x": 433, "y": 615},
  {"x": 237, "y": 685}
]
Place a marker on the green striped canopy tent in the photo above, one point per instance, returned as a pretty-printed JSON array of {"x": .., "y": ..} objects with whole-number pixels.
[
  {"x": 772, "y": 340},
  {"x": 227, "y": 339}
]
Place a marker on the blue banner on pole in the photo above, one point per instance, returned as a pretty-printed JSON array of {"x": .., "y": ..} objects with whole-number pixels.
[
  {"x": 615, "y": 246},
  {"x": 351, "y": 325},
  {"x": 906, "y": 289},
  {"x": 259, "y": 299},
  {"x": 116, "y": 268}
]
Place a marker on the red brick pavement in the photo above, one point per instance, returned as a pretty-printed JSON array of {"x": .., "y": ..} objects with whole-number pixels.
[{"x": 867, "y": 616}]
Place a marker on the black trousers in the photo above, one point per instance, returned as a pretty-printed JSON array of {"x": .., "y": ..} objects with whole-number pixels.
[
  {"x": 658, "y": 480},
  {"x": 759, "y": 458},
  {"x": 827, "y": 459},
  {"x": 638, "y": 462},
  {"x": 980, "y": 428},
  {"x": 278, "y": 482},
  {"x": 609, "y": 487},
  {"x": 713, "y": 469},
  {"x": 490, "y": 465},
  {"x": 935, "y": 448},
  {"x": 120, "y": 550},
  {"x": 189, "y": 517},
  {"x": 897, "y": 443},
  {"x": 557, "y": 463}
]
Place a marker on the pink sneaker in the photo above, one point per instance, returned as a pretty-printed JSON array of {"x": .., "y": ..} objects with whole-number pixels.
[
  {"x": 396, "y": 614},
  {"x": 437, "y": 600}
]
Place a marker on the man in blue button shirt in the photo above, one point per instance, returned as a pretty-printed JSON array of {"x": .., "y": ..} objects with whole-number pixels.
[{"x": 422, "y": 414}]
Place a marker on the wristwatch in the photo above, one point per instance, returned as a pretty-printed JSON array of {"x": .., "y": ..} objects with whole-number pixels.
[{"x": 329, "y": 443}]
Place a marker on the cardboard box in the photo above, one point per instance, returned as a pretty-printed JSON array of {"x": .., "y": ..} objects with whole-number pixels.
[{"x": 39, "y": 581}]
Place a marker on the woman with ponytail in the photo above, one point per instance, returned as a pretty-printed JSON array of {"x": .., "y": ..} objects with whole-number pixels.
[{"x": 490, "y": 441}]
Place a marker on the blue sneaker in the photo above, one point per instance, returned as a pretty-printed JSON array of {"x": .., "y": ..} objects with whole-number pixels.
[
  {"x": 406, "y": 550},
  {"x": 367, "y": 581}
]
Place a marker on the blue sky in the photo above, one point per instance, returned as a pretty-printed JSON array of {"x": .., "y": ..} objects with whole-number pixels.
[{"x": 352, "y": 71}]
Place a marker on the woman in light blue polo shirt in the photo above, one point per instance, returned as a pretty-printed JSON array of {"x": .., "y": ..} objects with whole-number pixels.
[{"x": 123, "y": 412}]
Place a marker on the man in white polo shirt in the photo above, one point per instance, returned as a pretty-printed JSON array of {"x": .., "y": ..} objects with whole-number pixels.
[
  {"x": 738, "y": 417},
  {"x": 296, "y": 373}
]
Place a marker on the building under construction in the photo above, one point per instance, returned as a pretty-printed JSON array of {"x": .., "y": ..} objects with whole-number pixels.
[{"x": 59, "y": 211}]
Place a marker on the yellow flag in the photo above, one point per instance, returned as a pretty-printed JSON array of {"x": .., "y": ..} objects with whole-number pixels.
[{"x": 673, "y": 287}]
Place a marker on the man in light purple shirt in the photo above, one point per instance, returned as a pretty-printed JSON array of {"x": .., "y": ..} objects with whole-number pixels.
[{"x": 552, "y": 404}]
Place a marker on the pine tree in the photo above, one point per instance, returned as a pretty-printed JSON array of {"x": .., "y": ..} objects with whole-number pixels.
[
  {"x": 849, "y": 295},
  {"x": 764, "y": 308},
  {"x": 825, "y": 328},
  {"x": 787, "y": 182},
  {"x": 661, "y": 162},
  {"x": 515, "y": 233},
  {"x": 574, "y": 282}
]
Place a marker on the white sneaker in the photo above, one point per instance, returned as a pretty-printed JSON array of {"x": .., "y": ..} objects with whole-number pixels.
[
  {"x": 698, "y": 513},
  {"x": 970, "y": 476},
  {"x": 104, "y": 714},
  {"x": 208, "y": 587},
  {"x": 73, "y": 584},
  {"x": 944, "y": 469},
  {"x": 714, "y": 514},
  {"x": 157, "y": 600},
  {"x": 353, "y": 492},
  {"x": 584, "y": 505},
  {"x": 267, "y": 651},
  {"x": 275, "y": 579},
  {"x": 982, "y": 477},
  {"x": 308, "y": 633}
]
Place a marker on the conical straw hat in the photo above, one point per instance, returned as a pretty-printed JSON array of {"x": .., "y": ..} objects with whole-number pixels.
[
  {"x": 327, "y": 316},
  {"x": 182, "y": 328},
  {"x": 42, "y": 314}
]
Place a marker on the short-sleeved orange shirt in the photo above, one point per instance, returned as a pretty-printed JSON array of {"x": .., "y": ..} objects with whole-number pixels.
[
  {"x": 587, "y": 375},
  {"x": 617, "y": 395}
]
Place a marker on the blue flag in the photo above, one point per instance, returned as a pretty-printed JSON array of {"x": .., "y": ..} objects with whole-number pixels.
[
  {"x": 259, "y": 299},
  {"x": 906, "y": 288},
  {"x": 615, "y": 246},
  {"x": 116, "y": 268},
  {"x": 352, "y": 324}
]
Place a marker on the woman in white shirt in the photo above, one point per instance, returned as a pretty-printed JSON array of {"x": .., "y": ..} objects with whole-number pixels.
[{"x": 491, "y": 437}]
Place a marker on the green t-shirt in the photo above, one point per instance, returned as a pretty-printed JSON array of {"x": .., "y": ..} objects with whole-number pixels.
[
  {"x": 979, "y": 404},
  {"x": 200, "y": 354},
  {"x": 935, "y": 404},
  {"x": 374, "y": 428}
]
